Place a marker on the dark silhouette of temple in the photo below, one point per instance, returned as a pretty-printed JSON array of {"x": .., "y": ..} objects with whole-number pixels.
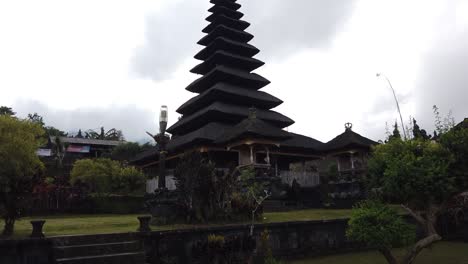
[{"x": 232, "y": 121}]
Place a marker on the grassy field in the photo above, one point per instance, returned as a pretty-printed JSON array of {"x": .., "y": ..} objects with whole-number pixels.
[
  {"x": 100, "y": 224},
  {"x": 440, "y": 253}
]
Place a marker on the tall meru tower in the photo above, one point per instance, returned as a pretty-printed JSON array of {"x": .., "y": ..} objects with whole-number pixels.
[{"x": 228, "y": 89}]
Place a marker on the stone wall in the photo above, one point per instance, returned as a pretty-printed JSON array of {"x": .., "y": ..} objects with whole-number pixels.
[
  {"x": 26, "y": 251},
  {"x": 291, "y": 239}
]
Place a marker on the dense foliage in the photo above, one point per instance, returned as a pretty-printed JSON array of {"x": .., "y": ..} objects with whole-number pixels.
[
  {"x": 379, "y": 226},
  {"x": 204, "y": 192},
  {"x": 413, "y": 171},
  {"x": 107, "y": 176},
  {"x": 456, "y": 141},
  {"x": 19, "y": 140},
  {"x": 423, "y": 173}
]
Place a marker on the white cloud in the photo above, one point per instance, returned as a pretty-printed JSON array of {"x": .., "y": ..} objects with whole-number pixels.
[{"x": 78, "y": 58}]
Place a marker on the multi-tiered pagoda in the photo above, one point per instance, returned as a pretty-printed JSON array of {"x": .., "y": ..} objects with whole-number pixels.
[
  {"x": 230, "y": 118},
  {"x": 227, "y": 92}
]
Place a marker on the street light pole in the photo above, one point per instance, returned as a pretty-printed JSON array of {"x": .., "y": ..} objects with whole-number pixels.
[{"x": 396, "y": 101}]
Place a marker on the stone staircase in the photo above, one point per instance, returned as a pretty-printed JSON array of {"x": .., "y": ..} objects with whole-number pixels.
[{"x": 98, "y": 249}]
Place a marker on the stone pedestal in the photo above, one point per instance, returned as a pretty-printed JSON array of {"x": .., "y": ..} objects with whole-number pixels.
[
  {"x": 37, "y": 229},
  {"x": 144, "y": 223}
]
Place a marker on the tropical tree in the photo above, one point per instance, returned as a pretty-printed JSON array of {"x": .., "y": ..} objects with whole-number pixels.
[
  {"x": 5, "y": 110},
  {"x": 416, "y": 174},
  {"x": 19, "y": 141},
  {"x": 111, "y": 134},
  {"x": 379, "y": 226}
]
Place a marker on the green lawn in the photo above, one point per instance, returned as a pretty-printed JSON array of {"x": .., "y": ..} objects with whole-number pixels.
[
  {"x": 100, "y": 224},
  {"x": 440, "y": 253}
]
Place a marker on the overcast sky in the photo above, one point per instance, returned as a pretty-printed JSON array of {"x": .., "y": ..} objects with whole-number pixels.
[{"x": 88, "y": 63}]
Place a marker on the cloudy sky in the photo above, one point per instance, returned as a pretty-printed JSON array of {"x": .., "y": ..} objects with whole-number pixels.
[{"x": 88, "y": 63}]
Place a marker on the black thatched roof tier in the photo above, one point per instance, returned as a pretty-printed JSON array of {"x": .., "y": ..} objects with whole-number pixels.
[
  {"x": 228, "y": 88},
  {"x": 230, "y": 94},
  {"x": 229, "y": 59},
  {"x": 302, "y": 143},
  {"x": 252, "y": 127},
  {"x": 227, "y": 3},
  {"x": 221, "y": 43},
  {"x": 225, "y": 74},
  {"x": 204, "y": 135},
  {"x": 221, "y": 10},
  {"x": 228, "y": 22},
  {"x": 349, "y": 139},
  {"x": 227, "y": 32},
  {"x": 227, "y": 113}
]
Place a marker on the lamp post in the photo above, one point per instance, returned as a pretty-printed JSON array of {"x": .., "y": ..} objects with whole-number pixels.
[
  {"x": 162, "y": 139},
  {"x": 396, "y": 101}
]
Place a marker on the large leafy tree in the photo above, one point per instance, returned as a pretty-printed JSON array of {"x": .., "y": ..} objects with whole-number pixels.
[
  {"x": 379, "y": 226},
  {"x": 456, "y": 141},
  {"x": 416, "y": 174},
  {"x": 19, "y": 141}
]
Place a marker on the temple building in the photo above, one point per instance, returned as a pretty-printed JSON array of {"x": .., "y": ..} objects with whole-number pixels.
[{"x": 233, "y": 121}]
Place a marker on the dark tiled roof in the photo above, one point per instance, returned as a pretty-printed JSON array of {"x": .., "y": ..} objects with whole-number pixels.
[
  {"x": 87, "y": 141},
  {"x": 228, "y": 45},
  {"x": 228, "y": 59},
  {"x": 349, "y": 139},
  {"x": 252, "y": 127},
  {"x": 230, "y": 93},
  {"x": 224, "y": 20},
  {"x": 227, "y": 74},
  {"x": 205, "y": 134},
  {"x": 297, "y": 141},
  {"x": 221, "y": 112}
]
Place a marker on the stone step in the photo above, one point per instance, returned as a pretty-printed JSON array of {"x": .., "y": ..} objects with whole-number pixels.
[
  {"x": 123, "y": 258},
  {"x": 96, "y": 249},
  {"x": 76, "y": 240}
]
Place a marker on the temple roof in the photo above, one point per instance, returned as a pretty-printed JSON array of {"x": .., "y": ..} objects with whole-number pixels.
[
  {"x": 218, "y": 10},
  {"x": 301, "y": 142},
  {"x": 221, "y": 57},
  {"x": 228, "y": 113},
  {"x": 229, "y": 22},
  {"x": 230, "y": 94},
  {"x": 227, "y": 32},
  {"x": 227, "y": 45},
  {"x": 231, "y": 4},
  {"x": 87, "y": 141},
  {"x": 228, "y": 87},
  {"x": 349, "y": 139},
  {"x": 225, "y": 74},
  {"x": 252, "y": 127},
  {"x": 204, "y": 135}
]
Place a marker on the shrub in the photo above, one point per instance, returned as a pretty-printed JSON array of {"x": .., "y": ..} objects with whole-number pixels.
[{"x": 107, "y": 176}]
